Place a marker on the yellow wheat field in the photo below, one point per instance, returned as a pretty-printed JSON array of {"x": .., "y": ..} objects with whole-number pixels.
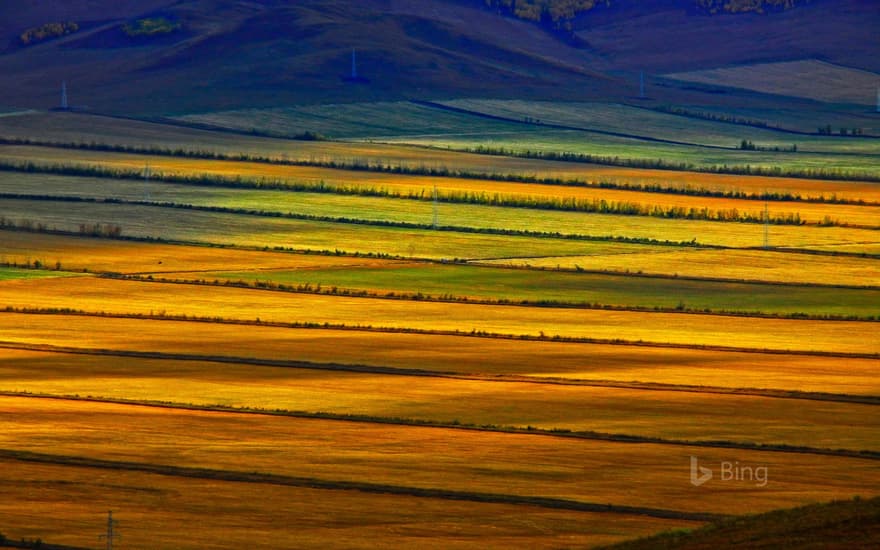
[
  {"x": 666, "y": 414},
  {"x": 637, "y": 474},
  {"x": 68, "y": 505},
  {"x": 96, "y": 295},
  {"x": 455, "y": 354}
]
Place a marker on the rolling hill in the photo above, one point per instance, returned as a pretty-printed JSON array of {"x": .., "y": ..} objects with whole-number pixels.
[{"x": 225, "y": 54}]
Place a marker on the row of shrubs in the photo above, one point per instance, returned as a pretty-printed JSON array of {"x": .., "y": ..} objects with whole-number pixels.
[{"x": 359, "y": 164}]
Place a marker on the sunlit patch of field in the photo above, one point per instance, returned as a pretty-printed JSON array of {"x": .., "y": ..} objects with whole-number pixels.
[
  {"x": 665, "y": 414},
  {"x": 329, "y": 204},
  {"x": 754, "y": 265},
  {"x": 454, "y": 354},
  {"x": 636, "y": 474},
  {"x": 203, "y": 301},
  {"x": 162, "y": 512}
]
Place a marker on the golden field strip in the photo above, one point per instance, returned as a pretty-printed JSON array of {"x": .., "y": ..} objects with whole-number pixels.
[
  {"x": 394, "y": 183},
  {"x": 131, "y": 297},
  {"x": 427, "y": 457},
  {"x": 79, "y": 253},
  {"x": 59, "y": 503},
  {"x": 453, "y": 354},
  {"x": 673, "y": 415},
  {"x": 78, "y": 128}
]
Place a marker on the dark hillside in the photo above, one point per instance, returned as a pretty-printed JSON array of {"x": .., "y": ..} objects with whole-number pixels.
[{"x": 670, "y": 36}]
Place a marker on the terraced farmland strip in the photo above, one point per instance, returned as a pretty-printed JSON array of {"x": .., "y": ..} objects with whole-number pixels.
[
  {"x": 66, "y": 127},
  {"x": 666, "y": 415},
  {"x": 144, "y": 298},
  {"x": 413, "y": 203},
  {"x": 429, "y": 458},
  {"x": 455, "y": 354},
  {"x": 591, "y": 226},
  {"x": 169, "y": 513}
]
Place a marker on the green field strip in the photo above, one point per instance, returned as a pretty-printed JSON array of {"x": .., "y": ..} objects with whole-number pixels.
[
  {"x": 554, "y": 288},
  {"x": 12, "y": 273}
]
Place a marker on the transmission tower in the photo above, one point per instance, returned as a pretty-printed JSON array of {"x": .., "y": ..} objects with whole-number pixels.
[
  {"x": 354, "y": 71},
  {"x": 147, "y": 182},
  {"x": 435, "y": 218},
  {"x": 642, "y": 85},
  {"x": 64, "y": 104},
  {"x": 111, "y": 535},
  {"x": 766, "y": 225}
]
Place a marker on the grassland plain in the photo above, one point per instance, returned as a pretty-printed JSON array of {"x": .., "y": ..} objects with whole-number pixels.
[
  {"x": 65, "y": 127},
  {"x": 343, "y": 199},
  {"x": 471, "y": 240},
  {"x": 453, "y": 354},
  {"x": 429, "y": 457},
  {"x": 671, "y": 415},
  {"x": 162, "y": 512},
  {"x": 77, "y": 253},
  {"x": 627, "y": 119},
  {"x": 117, "y": 296}
]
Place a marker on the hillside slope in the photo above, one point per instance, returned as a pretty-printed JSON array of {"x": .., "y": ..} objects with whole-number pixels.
[
  {"x": 843, "y": 525},
  {"x": 230, "y": 54}
]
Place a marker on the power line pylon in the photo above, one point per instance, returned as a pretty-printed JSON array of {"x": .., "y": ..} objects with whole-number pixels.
[{"x": 111, "y": 534}]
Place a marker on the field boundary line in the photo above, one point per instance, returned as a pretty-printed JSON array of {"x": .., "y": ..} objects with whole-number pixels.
[
  {"x": 770, "y": 393},
  {"x": 584, "y": 435},
  {"x": 364, "y": 487}
]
